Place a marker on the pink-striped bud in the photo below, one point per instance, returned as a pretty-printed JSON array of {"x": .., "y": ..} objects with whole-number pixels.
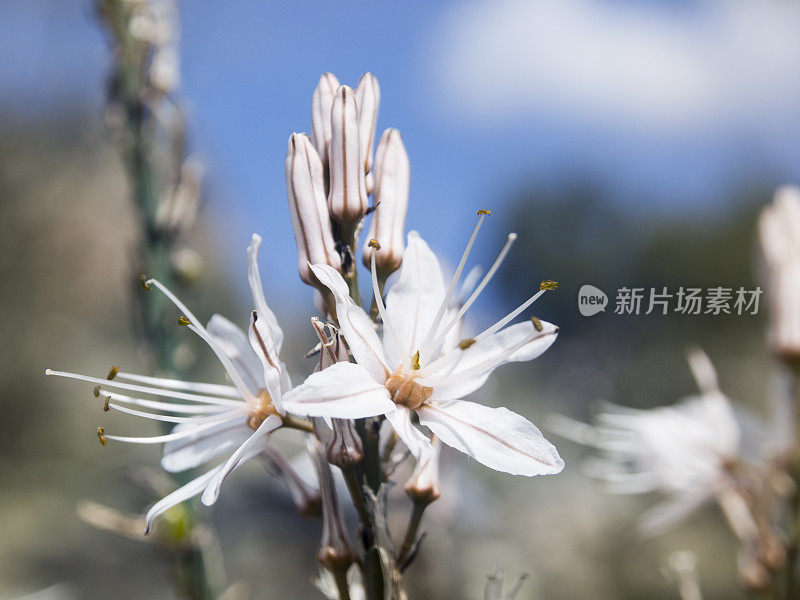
[
  {"x": 392, "y": 172},
  {"x": 779, "y": 236},
  {"x": 368, "y": 97},
  {"x": 321, "y": 103},
  {"x": 309, "y": 210},
  {"x": 347, "y": 200}
]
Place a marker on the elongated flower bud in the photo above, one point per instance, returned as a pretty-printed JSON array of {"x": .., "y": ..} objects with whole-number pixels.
[
  {"x": 392, "y": 172},
  {"x": 321, "y": 103},
  {"x": 306, "y": 499},
  {"x": 309, "y": 210},
  {"x": 368, "y": 97},
  {"x": 423, "y": 485},
  {"x": 347, "y": 200},
  {"x": 779, "y": 235}
]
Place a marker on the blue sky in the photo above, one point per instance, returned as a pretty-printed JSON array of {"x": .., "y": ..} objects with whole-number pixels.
[{"x": 669, "y": 105}]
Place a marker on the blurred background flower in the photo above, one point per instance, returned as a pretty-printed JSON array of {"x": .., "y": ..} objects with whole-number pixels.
[{"x": 627, "y": 143}]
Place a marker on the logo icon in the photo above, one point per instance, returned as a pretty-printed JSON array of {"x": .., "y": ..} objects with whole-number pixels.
[{"x": 591, "y": 300}]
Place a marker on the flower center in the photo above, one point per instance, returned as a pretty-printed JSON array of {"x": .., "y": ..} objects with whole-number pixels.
[
  {"x": 263, "y": 409},
  {"x": 405, "y": 391}
]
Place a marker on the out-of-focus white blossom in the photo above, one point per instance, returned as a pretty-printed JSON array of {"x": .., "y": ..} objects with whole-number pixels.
[
  {"x": 413, "y": 368},
  {"x": 682, "y": 450},
  {"x": 779, "y": 236},
  {"x": 387, "y": 225},
  {"x": 494, "y": 586}
]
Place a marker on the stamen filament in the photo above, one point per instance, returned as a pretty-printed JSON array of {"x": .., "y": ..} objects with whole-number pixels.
[
  {"x": 481, "y": 286},
  {"x": 509, "y": 317},
  {"x": 387, "y": 326},
  {"x": 226, "y": 363},
  {"x": 177, "y": 384},
  {"x": 171, "y": 419},
  {"x": 166, "y": 406},
  {"x": 160, "y": 439},
  {"x": 146, "y": 390},
  {"x": 453, "y": 282}
]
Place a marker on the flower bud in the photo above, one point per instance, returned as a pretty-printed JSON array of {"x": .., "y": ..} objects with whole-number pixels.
[
  {"x": 347, "y": 200},
  {"x": 306, "y": 498},
  {"x": 391, "y": 199},
  {"x": 779, "y": 235},
  {"x": 368, "y": 96},
  {"x": 321, "y": 103},
  {"x": 310, "y": 218},
  {"x": 423, "y": 485}
]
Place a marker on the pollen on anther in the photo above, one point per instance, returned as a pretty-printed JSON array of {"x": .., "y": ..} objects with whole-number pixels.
[
  {"x": 374, "y": 244},
  {"x": 183, "y": 321},
  {"x": 415, "y": 361},
  {"x": 466, "y": 343},
  {"x": 484, "y": 211},
  {"x": 96, "y": 391},
  {"x": 537, "y": 324},
  {"x": 548, "y": 284},
  {"x": 143, "y": 281},
  {"x": 101, "y": 437},
  {"x": 105, "y": 404},
  {"x": 112, "y": 372}
]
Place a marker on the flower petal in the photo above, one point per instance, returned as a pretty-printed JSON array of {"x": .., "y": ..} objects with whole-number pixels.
[
  {"x": 415, "y": 298},
  {"x": 193, "y": 451},
  {"x": 355, "y": 325},
  {"x": 257, "y": 293},
  {"x": 516, "y": 343},
  {"x": 344, "y": 390},
  {"x": 417, "y": 442},
  {"x": 495, "y": 437},
  {"x": 271, "y": 366},
  {"x": 236, "y": 346},
  {"x": 191, "y": 489},
  {"x": 253, "y": 446}
]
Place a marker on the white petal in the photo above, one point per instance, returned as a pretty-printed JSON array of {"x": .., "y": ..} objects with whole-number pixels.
[
  {"x": 516, "y": 343},
  {"x": 344, "y": 390},
  {"x": 257, "y": 293},
  {"x": 355, "y": 325},
  {"x": 417, "y": 442},
  {"x": 235, "y": 344},
  {"x": 415, "y": 297},
  {"x": 271, "y": 366},
  {"x": 189, "y": 490},
  {"x": 193, "y": 451},
  {"x": 496, "y": 437},
  {"x": 253, "y": 446}
]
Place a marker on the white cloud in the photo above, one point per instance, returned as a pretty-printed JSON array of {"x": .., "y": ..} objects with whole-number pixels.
[{"x": 706, "y": 63}]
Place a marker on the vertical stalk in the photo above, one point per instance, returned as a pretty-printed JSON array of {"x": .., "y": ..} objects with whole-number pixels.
[{"x": 130, "y": 92}]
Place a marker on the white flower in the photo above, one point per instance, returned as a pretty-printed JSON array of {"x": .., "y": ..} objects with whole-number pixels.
[
  {"x": 779, "y": 236},
  {"x": 416, "y": 367},
  {"x": 681, "y": 450},
  {"x": 211, "y": 419}
]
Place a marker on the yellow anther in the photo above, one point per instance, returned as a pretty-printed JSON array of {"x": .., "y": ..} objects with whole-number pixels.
[
  {"x": 112, "y": 372},
  {"x": 548, "y": 284},
  {"x": 183, "y": 321},
  {"x": 101, "y": 437},
  {"x": 105, "y": 404},
  {"x": 96, "y": 391},
  {"x": 484, "y": 211},
  {"x": 466, "y": 343},
  {"x": 374, "y": 244},
  {"x": 415, "y": 361},
  {"x": 143, "y": 281},
  {"x": 537, "y": 324}
]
